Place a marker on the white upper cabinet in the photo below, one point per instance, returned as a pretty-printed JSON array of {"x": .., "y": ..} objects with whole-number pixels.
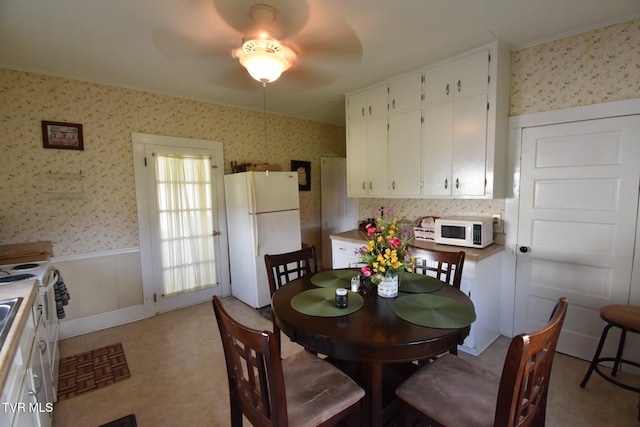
[
  {"x": 404, "y": 153},
  {"x": 367, "y": 151},
  {"x": 405, "y": 93},
  {"x": 459, "y": 148},
  {"x": 368, "y": 104}
]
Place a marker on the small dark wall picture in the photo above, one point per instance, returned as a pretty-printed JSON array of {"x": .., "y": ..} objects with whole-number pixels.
[
  {"x": 65, "y": 136},
  {"x": 304, "y": 174}
]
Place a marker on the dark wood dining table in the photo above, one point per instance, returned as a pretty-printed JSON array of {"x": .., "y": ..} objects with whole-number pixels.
[{"x": 372, "y": 338}]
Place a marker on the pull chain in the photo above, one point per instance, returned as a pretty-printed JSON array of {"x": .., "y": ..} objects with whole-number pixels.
[{"x": 264, "y": 108}]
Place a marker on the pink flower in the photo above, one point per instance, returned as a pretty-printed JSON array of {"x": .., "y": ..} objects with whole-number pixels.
[
  {"x": 366, "y": 270},
  {"x": 395, "y": 243},
  {"x": 370, "y": 230}
]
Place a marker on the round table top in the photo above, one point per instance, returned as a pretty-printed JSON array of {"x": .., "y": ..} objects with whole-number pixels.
[{"x": 372, "y": 333}]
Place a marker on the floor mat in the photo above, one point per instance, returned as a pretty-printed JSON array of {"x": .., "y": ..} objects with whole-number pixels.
[
  {"x": 128, "y": 421},
  {"x": 92, "y": 370}
]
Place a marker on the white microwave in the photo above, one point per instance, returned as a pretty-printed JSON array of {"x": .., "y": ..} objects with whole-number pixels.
[{"x": 467, "y": 231}]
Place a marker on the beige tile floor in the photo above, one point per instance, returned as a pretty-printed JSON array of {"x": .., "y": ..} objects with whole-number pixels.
[{"x": 178, "y": 376}]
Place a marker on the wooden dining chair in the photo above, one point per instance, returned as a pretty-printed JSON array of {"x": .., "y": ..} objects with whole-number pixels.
[
  {"x": 447, "y": 266},
  {"x": 301, "y": 390},
  {"x": 452, "y": 392},
  {"x": 283, "y": 268},
  {"x": 444, "y": 266}
]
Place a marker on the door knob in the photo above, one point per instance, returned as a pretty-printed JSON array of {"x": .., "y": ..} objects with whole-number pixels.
[{"x": 524, "y": 249}]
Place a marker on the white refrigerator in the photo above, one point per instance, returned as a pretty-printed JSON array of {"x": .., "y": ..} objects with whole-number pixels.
[{"x": 263, "y": 217}]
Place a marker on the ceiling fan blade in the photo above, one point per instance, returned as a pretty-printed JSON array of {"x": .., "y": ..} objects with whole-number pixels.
[
  {"x": 178, "y": 45},
  {"x": 303, "y": 77},
  {"x": 330, "y": 40}
]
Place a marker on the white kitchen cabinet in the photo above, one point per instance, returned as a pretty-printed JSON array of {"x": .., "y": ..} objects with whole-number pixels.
[
  {"x": 454, "y": 147},
  {"x": 465, "y": 76},
  {"x": 368, "y": 104},
  {"x": 24, "y": 396},
  {"x": 481, "y": 281},
  {"x": 344, "y": 253},
  {"x": 404, "y": 153},
  {"x": 464, "y": 132},
  {"x": 460, "y": 148},
  {"x": 367, "y": 166},
  {"x": 405, "y": 93}
]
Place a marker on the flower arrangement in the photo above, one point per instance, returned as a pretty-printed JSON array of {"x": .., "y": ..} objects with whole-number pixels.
[{"x": 385, "y": 253}]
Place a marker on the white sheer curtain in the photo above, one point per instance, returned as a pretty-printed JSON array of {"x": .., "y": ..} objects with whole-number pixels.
[{"x": 185, "y": 220}]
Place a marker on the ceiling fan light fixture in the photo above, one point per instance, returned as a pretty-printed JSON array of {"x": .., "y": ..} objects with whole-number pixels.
[{"x": 264, "y": 59}]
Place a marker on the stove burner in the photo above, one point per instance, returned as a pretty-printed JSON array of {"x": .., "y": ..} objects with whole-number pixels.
[
  {"x": 28, "y": 266},
  {"x": 15, "y": 278}
]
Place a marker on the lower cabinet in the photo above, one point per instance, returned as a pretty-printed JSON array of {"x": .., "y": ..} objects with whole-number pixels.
[
  {"x": 481, "y": 282},
  {"x": 344, "y": 253},
  {"x": 25, "y": 398}
]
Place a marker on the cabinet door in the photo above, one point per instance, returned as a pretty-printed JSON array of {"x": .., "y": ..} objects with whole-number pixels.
[
  {"x": 377, "y": 155},
  {"x": 437, "y": 146},
  {"x": 471, "y": 74},
  {"x": 405, "y": 93},
  {"x": 469, "y": 146},
  {"x": 404, "y": 153},
  {"x": 357, "y": 183},
  {"x": 438, "y": 83},
  {"x": 377, "y": 101},
  {"x": 356, "y": 106}
]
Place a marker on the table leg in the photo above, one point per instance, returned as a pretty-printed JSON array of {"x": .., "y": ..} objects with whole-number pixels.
[{"x": 372, "y": 379}]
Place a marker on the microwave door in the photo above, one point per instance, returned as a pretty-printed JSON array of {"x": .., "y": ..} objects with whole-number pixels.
[{"x": 454, "y": 232}]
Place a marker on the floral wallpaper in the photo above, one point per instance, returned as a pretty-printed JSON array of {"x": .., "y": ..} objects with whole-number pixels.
[
  {"x": 100, "y": 212},
  {"x": 601, "y": 65},
  {"x": 84, "y": 201}
]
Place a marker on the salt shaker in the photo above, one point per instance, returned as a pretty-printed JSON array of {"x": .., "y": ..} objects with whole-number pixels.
[
  {"x": 342, "y": 298},
  {"x": 355, "y": 284}
]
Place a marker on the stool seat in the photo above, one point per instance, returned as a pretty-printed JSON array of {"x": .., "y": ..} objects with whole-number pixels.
[
  {"x": 627, "y": 319},
  {"x": 626, "y": 316}
]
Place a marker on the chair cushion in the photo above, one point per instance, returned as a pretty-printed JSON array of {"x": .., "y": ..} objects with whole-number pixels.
[
  {"x": 316, "y": 390},
  {"x": 453, "y": 392}
]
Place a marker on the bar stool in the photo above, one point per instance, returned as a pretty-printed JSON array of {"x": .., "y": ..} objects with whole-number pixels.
[{"x": 627, "y": 318}]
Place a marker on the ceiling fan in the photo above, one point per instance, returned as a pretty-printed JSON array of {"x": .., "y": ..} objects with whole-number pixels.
[
  {"x": 264, "y": 57},
  {"x": 301, "y": 38}
]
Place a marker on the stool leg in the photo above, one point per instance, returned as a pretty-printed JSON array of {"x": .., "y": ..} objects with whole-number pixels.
[
  {"x": 596, "y": 356},
  {"x": 616, "y": 364}
]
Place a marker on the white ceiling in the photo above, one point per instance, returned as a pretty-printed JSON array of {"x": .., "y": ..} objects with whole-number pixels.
[{"x": 182, "y": 47}]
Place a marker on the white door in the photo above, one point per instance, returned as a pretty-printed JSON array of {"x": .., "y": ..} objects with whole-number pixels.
[
  {"x": 577, "y": 219},
  {"x": 339, "y": 213},
  {"x": 183, "y": 246}
]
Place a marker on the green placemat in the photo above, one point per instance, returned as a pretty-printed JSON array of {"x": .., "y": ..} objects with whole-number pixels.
[
  {"x": 418, "y": 283},
  {"x": 334, "y": 278},
  {"x": 322, "y": 302},
  {"x": 433, "y": 311}
]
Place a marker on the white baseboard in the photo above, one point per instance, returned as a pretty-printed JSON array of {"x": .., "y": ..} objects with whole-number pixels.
[{"x": 72, "y": 328}]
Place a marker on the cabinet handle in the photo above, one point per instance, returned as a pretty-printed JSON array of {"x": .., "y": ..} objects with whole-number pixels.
[
  {"x": 459, "y": 86},
  {"x": 446, "y": 183},
  {"x": 362, "y": 111},
  {"x": 363, "y": 185},
  {"x": 393, "y": 185},
  {"x": 393, "y": 104},
  {"x": 370, "y": 185},
  {"x": 370, "y": 109},
  {"x": 38, "y": 387},
  {"x": 457, "y": 183},
  {"x": 447, "y": 89},
  {"x": 43, "y": 346}
]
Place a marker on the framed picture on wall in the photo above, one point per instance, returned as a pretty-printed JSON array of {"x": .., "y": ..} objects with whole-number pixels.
[
  {"x": 65, "y": 136},
  {"x": 304, "y": 174}
]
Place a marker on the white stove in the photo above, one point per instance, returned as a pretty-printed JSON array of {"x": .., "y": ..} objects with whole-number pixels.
[{"x": 23, "y": 271}]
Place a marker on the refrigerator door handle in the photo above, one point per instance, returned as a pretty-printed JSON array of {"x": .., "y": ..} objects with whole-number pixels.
[
  {"x": 252, "y": 192},
  {"x": 254, "y": 223}
]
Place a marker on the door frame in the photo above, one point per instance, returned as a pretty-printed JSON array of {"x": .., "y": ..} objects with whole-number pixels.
[
  {"x": 516, "y": 126},
  {"x": 139, "y": 141}
]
